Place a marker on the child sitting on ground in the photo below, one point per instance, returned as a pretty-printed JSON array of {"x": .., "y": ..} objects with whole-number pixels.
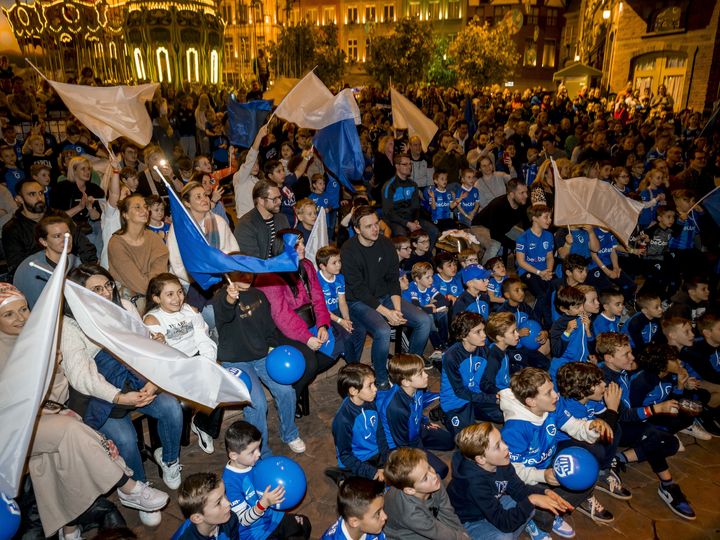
[
  {"x": 461, "y": 396},
  {"x": 613, "y": 304},
  {"x": 501, "y": 329},
  {"x": 417, "y": 504},
  {"x": 530, "y": 431},
  {"x": 253, "y": 505},
  {"x": 568, "y": 334},
  {"x": 498, "y": 277},
  {"x": 360, "y": 503},
  {"x": 359, "y": 437},
  {"x": 401, "y": 411},
  {"x": 420, "y": 243},
  {"x": 475, "y": 298},
  {"x": 446, "y": 279},
  {"x": 206, "y": 509},
  {"x": 642, "y": 328},
  {"x": 491, "y": 500},
  {"x": 424, "y": 295}
]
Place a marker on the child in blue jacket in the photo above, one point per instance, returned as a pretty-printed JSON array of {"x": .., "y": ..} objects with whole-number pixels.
[{"x": 569, "y": 333}]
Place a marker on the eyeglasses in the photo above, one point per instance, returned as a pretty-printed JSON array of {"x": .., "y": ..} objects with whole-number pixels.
[
  {"x": 109, "y": 286},
  {"x": 273, "y": 199}
]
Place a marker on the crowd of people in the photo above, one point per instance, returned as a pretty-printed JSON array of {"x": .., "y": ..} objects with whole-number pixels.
[{"x": 447, "y": 248}]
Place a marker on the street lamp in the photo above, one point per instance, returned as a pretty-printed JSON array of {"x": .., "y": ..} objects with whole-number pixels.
[{"x": 606, "y": 14}]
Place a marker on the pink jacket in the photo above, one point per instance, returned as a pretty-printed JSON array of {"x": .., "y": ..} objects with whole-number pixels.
[{"x": 283, "y": 304}]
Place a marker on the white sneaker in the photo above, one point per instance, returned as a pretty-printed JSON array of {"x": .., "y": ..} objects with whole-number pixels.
[
  {"x": 297, "y": 445},
  {"x": 205, "y": 441},
  {"x": 170, "y": 473},
  {"x": 144, "y": 497},
  {"x": 150, "y": 519},
  {"x": 436, "y": 355},
  {"x": 681, "y": 446},
  {"x": 75, "y": 535},
  {"x": 697, "y": 431}
]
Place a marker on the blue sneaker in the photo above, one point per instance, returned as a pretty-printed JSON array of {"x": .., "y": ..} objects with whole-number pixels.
[
  {"x": 562, "y": 528},
  {"x": 534, "y": 533},
  {"x": 676, "y": 501}
]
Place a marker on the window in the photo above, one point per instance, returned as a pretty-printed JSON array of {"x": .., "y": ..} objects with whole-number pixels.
[
  {"x": 366, "y": 56},
  {"x": 499, "y": 13},
  {"x": 548, "y": 59},
  {"x": 453, "y": 9},
  {"x": 352, "y": 15},
  {"x": 533, "y": 15},
  {"x": 311, "y": 16},
  {"x": 214, "y": 68},
  {"x": 654, "y": 69},
  {"x": 329, "y": 15},
  {"x": 389, "y": 12},
  {"x": 352, "y": 49},
  {"x": 414, "y": 9},
  {"x": 229, "y": 53},
  {"x": 139, "y": 64},
  {"x": 551, "y": 17},
  {"x": 369, "y": 14},
  {"x": 163, "y": 64},
  {"x": 433, "y": 11},
  {"x": 530, "y": 55}
]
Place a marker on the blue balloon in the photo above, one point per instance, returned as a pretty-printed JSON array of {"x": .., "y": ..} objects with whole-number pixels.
[
  {"x": 9, "y": 517},
  {"x": 576, "y": 468},
  {"x": 285, "y": 364},
  {"x": 240, "y": 374},
  {"x": 530, "y": 341},
  {"x": 283, "y": 471}
]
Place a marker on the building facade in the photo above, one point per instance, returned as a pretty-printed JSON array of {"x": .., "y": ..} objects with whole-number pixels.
[{"x": 675, "y": 43}]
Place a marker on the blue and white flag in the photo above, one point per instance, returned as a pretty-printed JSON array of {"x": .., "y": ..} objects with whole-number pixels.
[
  {"x": 246, "y": 119},
  {"x": 339, "y": 147},
  {"x": 206, "y": 264}
]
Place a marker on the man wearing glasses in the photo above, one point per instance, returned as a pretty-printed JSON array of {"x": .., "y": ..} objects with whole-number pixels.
[
  {"x": 256, "y": 231},
  {"x": 401, "y": 202}
]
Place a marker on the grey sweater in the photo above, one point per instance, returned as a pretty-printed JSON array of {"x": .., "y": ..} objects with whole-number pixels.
[{"x": 410, "y": 518}]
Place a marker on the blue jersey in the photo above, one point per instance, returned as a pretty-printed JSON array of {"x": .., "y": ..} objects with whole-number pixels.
[
  {"x": 688, "y": 230},
  {"x": 495, "y": 286},
  {"x": 241, "y": 493},
  {"x": 422, "y": 298},
  {"x": 535, "y": 248},
  {"x": 468, "y": 203},
  {"x": 332, "y": 192},
  {"x": 608, "y": 243},
  {"x": 648, "y": 389},
  {"x": 461, "y": 375},
  {"x": 226, "y": 531},
  {"x": 359, "y": 437},
  {"x": 332, "y": 290},
  {"x": 321, "y": 201},
  {"x": 12, "y": 177},
  {"x": 338, "y": 532},
  {"x": 442, "y": 203},
  {"x": 648, "y": 215},
  {"x": 572, "y": 408},
  {"x": 533, "y": 445},
  {"x": 453, "y": 287},
  {"x": 603, "y": 323}
]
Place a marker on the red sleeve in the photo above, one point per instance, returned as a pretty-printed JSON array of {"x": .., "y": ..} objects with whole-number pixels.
[{"x": 322, "y": 315}]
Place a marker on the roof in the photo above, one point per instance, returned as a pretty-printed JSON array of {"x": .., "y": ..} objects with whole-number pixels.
[{"x": 577, "y": 69}]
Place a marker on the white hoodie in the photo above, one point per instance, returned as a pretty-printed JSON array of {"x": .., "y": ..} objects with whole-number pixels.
[{"x": 523, "y": 426}]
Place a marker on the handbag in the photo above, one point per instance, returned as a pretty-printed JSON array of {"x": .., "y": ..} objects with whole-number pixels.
[{"x": 307, "y": 314}]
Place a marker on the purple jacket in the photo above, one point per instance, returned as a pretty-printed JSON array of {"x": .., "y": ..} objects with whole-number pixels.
[{"x": 283, "y": 304}]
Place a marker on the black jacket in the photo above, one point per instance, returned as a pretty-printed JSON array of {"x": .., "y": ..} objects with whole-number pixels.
[
  {"x": 253, "y": 235},
  {"x": 18, "y": 240},
  {"x": 370, "y": 272}
]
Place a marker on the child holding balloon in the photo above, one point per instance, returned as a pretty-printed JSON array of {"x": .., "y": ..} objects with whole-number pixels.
[
  {"x": 253, "y": 505},
  {"x": 530, "y": 431}
]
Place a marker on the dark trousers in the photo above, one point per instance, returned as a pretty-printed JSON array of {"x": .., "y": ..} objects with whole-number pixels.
[
  {"x": 544, "y": 519},
  {"x": 650, "y": 444},
  {"x": 292, "y": 527},
  {"x": 541, "y": 290},
  {"x": 437, "y": 439},
  {"x": 603, "y": 452}
]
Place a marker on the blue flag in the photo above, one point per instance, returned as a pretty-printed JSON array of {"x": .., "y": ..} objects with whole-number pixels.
[
  {"x": 712, "y": 205},
  {"x": 339, "y": 147},
  {"x": 206, "y": 264},
  {"x": 246, "y": 119}
]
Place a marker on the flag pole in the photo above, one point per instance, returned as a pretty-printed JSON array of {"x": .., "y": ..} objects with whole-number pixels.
[
  {"x": 170, "y": 189},
  {"x": 702, "y": 199}
]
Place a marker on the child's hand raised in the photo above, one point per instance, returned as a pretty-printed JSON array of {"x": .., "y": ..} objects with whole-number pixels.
[
  {"x": 571, "y": 326},
  {"x": 272, "y": 497},
  {"x": 612, "y": 396}
]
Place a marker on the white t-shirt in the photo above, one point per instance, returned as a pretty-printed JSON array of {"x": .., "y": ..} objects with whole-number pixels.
[{"x": 185, "y": 331}]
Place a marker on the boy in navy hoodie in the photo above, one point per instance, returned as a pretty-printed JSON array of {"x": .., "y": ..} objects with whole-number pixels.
[
  {"x": 401, "y": 411},
  {"x": 489, "y": 497},
  {"x": 475, "y": 297},
  {"x": 642, "y": 328},
  {"x": 461, "y": 396},
  {"x": 360, "y": 503},
  {"x": 568, "y": 334},
  {"x": 206, "y": 510},
  {"x": 360, "y": 441},
  {"x": 530, "y": 431},
  {"x": 502, "y": 330}
]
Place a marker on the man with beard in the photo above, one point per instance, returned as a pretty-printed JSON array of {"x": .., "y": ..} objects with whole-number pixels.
[{"x": 18, "y": 234}]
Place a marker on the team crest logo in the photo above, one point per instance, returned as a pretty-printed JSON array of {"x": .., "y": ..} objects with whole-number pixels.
[
  {"x": 455, "y": 421},
  {"x": 551, "y": 430},
  {"x": 501, "y": 486},
  {"x": 546, "y": 245},
  {"x": 564, "y": 466}
]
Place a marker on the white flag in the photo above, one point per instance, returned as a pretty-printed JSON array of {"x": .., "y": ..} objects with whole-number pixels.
[
  {"x": 407, "y": 116},
  {"x": 591, "y": 201},
  {"x": 110, "y": 112},
  {"x": 197, "y": 379},
  {"x": 311, "y": 105},
  {"x": 25, "y": 378},
  {"x": 318, "y": 237}
]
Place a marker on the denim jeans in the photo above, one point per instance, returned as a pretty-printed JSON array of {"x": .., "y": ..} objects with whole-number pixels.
[
  {"x": 367, "y": 320},
  {"x": 484, "y": 530},
  {"x": 168, "y": 412},
  {"x": 256, "y": 414}
]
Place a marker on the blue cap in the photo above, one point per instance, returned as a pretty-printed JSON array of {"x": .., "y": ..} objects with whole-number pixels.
[{"x": 475, "y": 271}]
